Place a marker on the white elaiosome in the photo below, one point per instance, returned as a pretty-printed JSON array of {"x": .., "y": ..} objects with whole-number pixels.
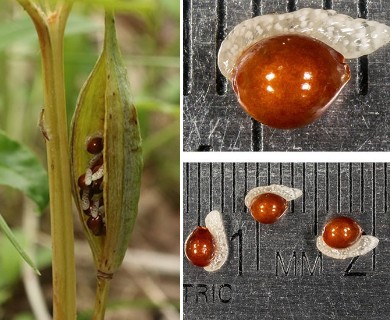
[
  {"x": 94, "y": 160},
  {"x": 364, "y": 245},
  {"x": 85, "y": 200},
  {"x": 88, "y": 177},
  {"x": 95, "y": 208},
  {"x": 214, "y": 223},
  {"x": 98, "y": 174},
  {"x": 283, "y": 191},
  {"x": 351, "y": 37}
]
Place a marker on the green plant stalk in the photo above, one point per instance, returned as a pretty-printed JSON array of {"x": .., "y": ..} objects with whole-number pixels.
[
  {"x": 102, "y": 291},
  {"x": 50, "y": 30}
]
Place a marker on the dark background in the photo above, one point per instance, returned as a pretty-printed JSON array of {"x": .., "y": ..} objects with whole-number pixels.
[
  {"x": 275, "y": 271},
  {"x": 214, "y": 121}
]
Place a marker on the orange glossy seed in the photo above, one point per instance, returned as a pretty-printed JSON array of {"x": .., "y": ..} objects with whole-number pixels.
[
  {"x": 288, "y": 81},
  {"x": 200, "y": 247},
  {"x": 341, "y": 232},
  {"x": 268, "y": 207}
]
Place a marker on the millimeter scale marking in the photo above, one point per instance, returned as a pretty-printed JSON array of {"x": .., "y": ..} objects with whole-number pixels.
[
  {"x": 209, "y": 168},
  {"x": 249, "y": 249}
]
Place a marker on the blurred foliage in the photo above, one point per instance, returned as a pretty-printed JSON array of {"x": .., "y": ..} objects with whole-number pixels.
[
  {"x": 10, "y": 263},
  {"x": 148, "y": 33},
  {"x": 20, "y": 169}
]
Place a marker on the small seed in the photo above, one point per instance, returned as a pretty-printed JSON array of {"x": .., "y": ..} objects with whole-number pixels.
[
  {"x": 96, "y": 186},
  {"x": 81, "y": 182},
  {"x": 95, "y": 145},
  {"x": 96, "y": 225}
]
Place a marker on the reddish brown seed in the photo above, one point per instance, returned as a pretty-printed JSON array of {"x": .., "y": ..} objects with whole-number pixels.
[
  {"x": 96, "y": 225},
  {"x": 288, "y": 81},
  {"x": 341, "y": 232},
  {"x": 95, "y": 145},
  {"x": 268, "y": 207},
  {"x": 200, "y": 247},
  {"x": 97, "y": 186},
  {"x": 81, "y": 182}
]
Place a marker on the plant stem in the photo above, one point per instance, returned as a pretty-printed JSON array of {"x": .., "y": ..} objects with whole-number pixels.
[
  {"x": 50, "y": 31},
  {"x": 102, "y": 290},
  {"x": 64, "y": 279}
]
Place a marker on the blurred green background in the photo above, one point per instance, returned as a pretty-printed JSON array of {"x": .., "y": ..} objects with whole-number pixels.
[{"x": 147, "y": 287}]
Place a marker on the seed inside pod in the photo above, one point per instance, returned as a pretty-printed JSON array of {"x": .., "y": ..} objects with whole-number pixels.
[
  {"x": 81, "y": 182},
  {"x": 342, "y": 238},
  {"x": 287, "y": 69},
  {"x": 91, "y": 187},
  {"x": 97, "y": 186},
  {"x": 96, "y": 225},
  {"x": 95, "y": 145}
]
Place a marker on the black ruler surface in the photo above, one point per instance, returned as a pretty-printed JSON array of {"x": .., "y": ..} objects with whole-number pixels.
[
  {"x": 213, "y": 120},
  {"x": 275, "y": 271}
]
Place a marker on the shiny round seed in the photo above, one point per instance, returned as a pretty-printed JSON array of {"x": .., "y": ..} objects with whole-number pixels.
[
  {"x": 341, "y": 232},
  {"x": 288, "y": 81},
  {"x": 95, "y": 145},
  {"x": 200, "y": 247},
  {"x": 268, "y": 207}
]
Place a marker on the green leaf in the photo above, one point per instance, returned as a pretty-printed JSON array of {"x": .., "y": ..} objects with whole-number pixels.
[
  {"x": 20, "y": 169},
  {"x": 11, "y": 237},
  {"x": 10, "y": 260}
]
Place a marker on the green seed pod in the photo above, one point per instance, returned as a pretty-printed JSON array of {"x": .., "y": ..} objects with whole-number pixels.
[{"x": 106, "y": 157}]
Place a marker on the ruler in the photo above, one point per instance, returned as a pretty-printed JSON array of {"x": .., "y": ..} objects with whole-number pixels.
[
  {"x": 358, "y": 119},
  {"x": 275, "y": 271}
]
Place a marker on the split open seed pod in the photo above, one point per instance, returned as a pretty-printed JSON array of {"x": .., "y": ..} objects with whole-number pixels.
[{"x": 106, "y": 157}]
